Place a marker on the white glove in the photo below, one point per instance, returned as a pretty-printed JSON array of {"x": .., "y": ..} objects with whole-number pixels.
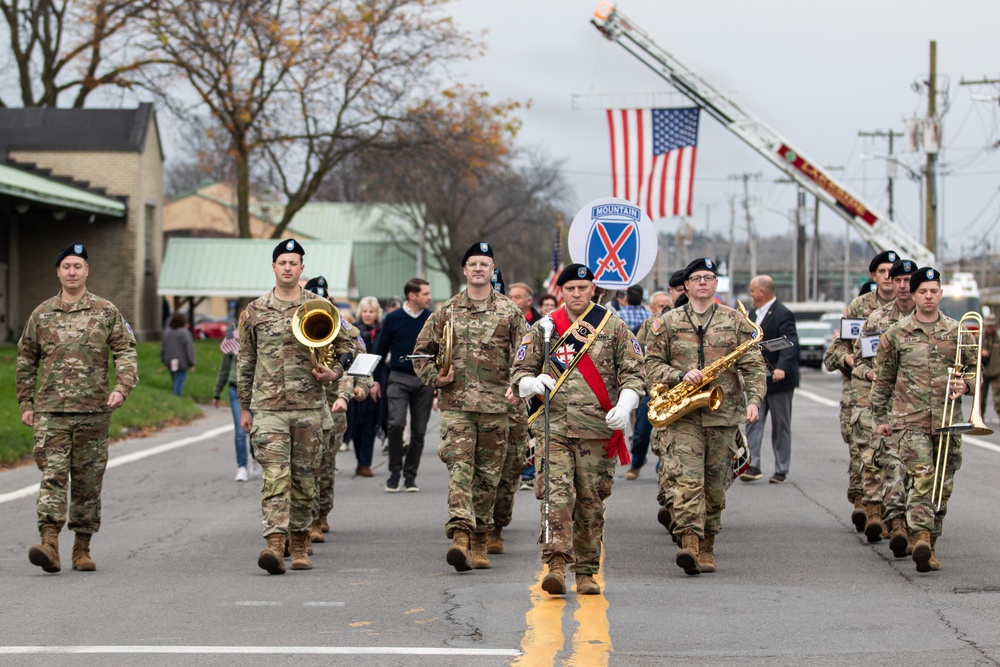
[
  {"x": 531, "y": 386},
  {"x": 617, "y": 417}
]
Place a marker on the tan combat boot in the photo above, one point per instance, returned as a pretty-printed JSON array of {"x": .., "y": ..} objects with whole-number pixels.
[
  {"x": 934, "y": 563},
  {"x": 554, "y": 582},
  {"x": 479, "y": 559},
  {"x": 46, "y": 554},
  {"x": 586, "y": 584},
  {"x": 898, "y": 540},
  {"x": 858, "y": 516},
  {"x": 687, "y": 555},
  {"x": 458, "y": 553},
  {"x": 706, "y": 561},
  {"x": 324, "y": 525},
  {"x": 272, "y": 558},
  {"x": 922, "y": 550},
  {"x": 298, "y": 545},
  {"x": 82, "y": 561},
  {"x": 494, "y": 542},
  {"x": 873, "y": 524},
  {"x": 316, "y": 531}
]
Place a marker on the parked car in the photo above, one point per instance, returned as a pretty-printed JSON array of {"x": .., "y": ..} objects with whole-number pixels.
[
  {"x": 206, "y": 326},
  {"x": 814, "y": 337}
]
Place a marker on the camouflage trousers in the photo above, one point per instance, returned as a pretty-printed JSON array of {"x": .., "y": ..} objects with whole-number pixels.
[
  {"x": 855, "y": 488},
  {"x": 327, "y": 471},
  {"x": 473, "y": 446},
  {"x": 510, "y": 478},
  {"x": 703, "y": 456},
  {"x": 987, "y": 385},
  {"x": 893, "y": 476},
  {"x": 71, "y": 450},
  {"x": 580, "y": 478},
  {"x": 918, "y": 450},
  {"x": 667, "y": 471},
  {"x": 289, "y": 444},
  {"x": 867, "y": 443}
]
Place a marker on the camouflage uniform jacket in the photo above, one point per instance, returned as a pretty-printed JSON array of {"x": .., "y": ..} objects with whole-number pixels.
[
  {"x": 911, "y": 373},
  {"x": 991, "y": 364},
  {"x": 673, "y": 352},
  {"x": 878, "y": 322},
  {"x": 859, "y": 309},
  {"x": 67, "y": 344},
  {"x": 274, "y": 371},
  {"x": 484, "y": 338},
  {"x": 344, "y": 387},
  {"x": 574, "y": 411}
]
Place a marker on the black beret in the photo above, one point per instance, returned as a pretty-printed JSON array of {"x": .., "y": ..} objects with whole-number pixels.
[
  {"x": 574, "y": 272},
  {"x": 884, "y": 257},
  {"x": 681, "y": 300},
  {"x": 903, "y": 267},
  {"x": 290, "y": 245},
  {"x": 318, "y": 285},
  {"x": 482, "y": 248},
  {"x": 677, "y": 278},
  {"x": 72, "y": 249},
  {"x": 700, "y": 264},
  {"x": 924, "y": 274},
  {"x": 868, "y": 288},
  {"x": 497, "y": 281}
]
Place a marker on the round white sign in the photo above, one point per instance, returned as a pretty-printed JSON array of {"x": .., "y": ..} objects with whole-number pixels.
[{"x": 616, "y": 240}]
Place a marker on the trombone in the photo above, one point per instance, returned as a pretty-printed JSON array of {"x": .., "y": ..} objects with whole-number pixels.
[{"x": 975, "y": 425}]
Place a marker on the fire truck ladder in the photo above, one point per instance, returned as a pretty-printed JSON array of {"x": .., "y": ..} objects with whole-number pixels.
[{"x": 873, "y": 227}]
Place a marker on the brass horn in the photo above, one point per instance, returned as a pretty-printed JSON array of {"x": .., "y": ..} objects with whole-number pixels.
[
  {"x": 975, "y": 425},
  {"x": 443, "y": 359},
  {"x": 316, "y": 324}
]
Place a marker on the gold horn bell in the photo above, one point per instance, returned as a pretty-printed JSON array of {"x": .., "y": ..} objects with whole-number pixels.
[
  {"x": 316, "y": 324},
  {"x": 443, "y": 359}
]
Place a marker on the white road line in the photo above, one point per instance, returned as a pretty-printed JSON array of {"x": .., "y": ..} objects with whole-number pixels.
[
  {"x": 822, "y": 400},
  {"x": 128, "y": 458},
  {"x": 271, "y": 650}
]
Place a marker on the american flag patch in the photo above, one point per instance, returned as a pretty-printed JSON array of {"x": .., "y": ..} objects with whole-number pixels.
[
  {"x": 520, "y": 352},
  {"x": 526, "y": 339},
  {"x": 656, "y": 326}
]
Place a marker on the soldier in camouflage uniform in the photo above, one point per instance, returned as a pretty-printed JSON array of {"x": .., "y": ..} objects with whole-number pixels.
[
  {"x": 66, "y": 343},
  {"x": 842, "y": 358},
  {"x": 513, "y": 465},
  {"x": 990, "y": 365},
  {"x": 882, "y": 473},
  {"x": 283, "y": 408},
  {"x": 703, "y": 442},
  {"x": 908, "y": 396},
  {"x": 585, "y": 429},
  {"x": 486, "y": 327}
]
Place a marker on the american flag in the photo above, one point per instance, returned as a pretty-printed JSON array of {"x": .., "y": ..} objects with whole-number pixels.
[
  {"x": 230, "y": 344},
  {"x": 557, "y": 266},
  {"x": 652, "y": 158}
]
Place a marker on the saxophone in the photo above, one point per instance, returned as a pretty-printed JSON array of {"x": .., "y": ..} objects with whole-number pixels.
[{"x": 668, "y": 405}]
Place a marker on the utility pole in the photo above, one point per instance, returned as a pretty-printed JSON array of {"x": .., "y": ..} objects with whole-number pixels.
[
  {"x": 815, "y": 252},
  {"x": 890, "y": 162},
  {"x": 708, "y": 230},
  {"x": 731, "y": 262},
  {"x": 751, "y": 241},
  {"x": 800, "y": 247},
  {"x": 930, "y": 207}
]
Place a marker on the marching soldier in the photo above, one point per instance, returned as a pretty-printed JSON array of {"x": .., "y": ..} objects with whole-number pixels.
[
  {"x": 598, "y": 381},
  {"x": 473, "y": 399},
  {"x": 66, "y": 343},
  {"x": 702, "y": 443},
  {"x": 908, "y": 395},
  {"x": 991, "y": 364},
  {"x": 841, "y": 357},
  {"x": 881, "y": 474},
  {"x": 283, "y": 408}
]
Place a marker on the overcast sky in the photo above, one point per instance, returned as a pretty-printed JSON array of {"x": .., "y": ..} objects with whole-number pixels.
[{"x": 816, "y": 72}]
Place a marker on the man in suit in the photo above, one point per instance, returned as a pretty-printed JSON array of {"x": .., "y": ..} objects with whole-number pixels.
[{"x": 783, "y": 377}]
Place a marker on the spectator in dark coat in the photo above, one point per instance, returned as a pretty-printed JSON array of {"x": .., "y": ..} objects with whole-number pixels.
[{"x": 177, "y": 351}]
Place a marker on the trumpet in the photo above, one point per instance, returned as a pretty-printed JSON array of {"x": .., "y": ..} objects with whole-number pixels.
[
  {"x": 316, "y": 324},
  {"x": 975, "y": 425}
]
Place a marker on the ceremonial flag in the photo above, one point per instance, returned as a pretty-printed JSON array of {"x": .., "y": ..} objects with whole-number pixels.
[
  {"x": 652, "y": 158},
  {"x": 557, "y": 266},
  {"x": 230, "y": 344}
]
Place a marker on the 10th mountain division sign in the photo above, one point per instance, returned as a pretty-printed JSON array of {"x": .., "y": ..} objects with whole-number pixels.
[{"x": 615, "y": 239}]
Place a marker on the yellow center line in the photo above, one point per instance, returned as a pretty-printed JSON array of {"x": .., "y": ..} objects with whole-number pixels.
[{"x": 592, "y": 638}]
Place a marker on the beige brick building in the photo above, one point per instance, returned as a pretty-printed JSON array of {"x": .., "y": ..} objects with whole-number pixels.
[{"x": 91, "y": 158}]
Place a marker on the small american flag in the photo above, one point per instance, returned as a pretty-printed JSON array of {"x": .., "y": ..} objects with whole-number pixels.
[
  {"x": 652, "y": 158},
  {"x": 230, "y": 344},
  {"x": 557, "y": 266}
]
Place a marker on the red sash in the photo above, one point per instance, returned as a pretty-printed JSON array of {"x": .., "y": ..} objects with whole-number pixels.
[{"x": 593, "y": 379}]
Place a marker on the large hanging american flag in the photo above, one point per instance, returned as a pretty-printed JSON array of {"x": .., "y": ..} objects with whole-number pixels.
[
  {"x": 652, "y": 158},
  {"x": 557, "y": 267}
]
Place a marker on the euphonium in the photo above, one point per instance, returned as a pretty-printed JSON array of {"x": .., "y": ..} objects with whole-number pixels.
[
  {"x": 316, "y": 324},
  {"x": 668, "y": 405},
  {"x": 975, "y": 425}
]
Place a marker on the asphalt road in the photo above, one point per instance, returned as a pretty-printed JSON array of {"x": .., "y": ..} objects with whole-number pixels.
[{"x": 177, "y": 580}]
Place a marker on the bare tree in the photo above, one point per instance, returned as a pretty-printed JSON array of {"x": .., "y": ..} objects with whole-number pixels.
[{"x": 70, "y": 46}]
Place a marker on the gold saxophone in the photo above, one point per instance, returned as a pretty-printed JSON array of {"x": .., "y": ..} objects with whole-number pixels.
[{"x": 668, "y": 405}]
